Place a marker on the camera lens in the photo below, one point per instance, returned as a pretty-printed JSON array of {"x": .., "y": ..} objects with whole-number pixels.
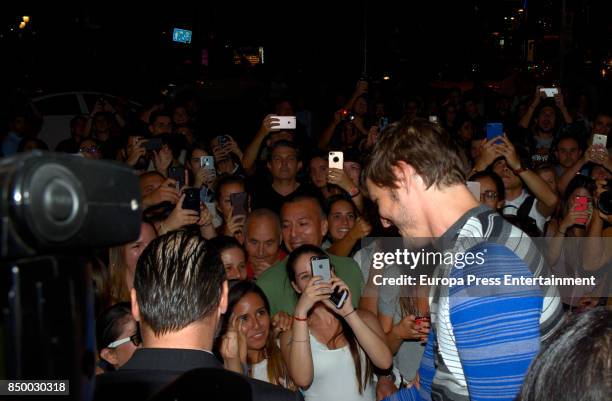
[{"x": 336, "y": 159}]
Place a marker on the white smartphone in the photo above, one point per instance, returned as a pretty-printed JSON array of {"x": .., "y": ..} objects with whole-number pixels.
[
  {"x": 474, "y": 187},
  {"x": 433, "y": 119},
  {"x": 550, "y": 92},
  {"x": 336, "y": 160},
  {"x": 320, "y": 266},
  {"x": 285, "y": 122},
  {"x": 599, "y": 139}
]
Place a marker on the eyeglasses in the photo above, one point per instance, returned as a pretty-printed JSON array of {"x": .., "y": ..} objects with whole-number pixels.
[
  {"x": 135, "y": 339},
  {"x": 89, "y": 149},
  {"x": 488, "y": 195}
]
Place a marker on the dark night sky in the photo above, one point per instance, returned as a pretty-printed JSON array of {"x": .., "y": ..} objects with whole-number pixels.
[{"x": 110, "y": 45}]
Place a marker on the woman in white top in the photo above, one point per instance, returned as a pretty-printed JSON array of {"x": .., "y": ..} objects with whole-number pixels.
[
  {"x": 249, "y": 344},
  {"x": 329, "y": 351}
]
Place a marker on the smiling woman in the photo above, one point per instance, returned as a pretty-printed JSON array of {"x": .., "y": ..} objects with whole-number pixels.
[{"x": 249, "y": 329}]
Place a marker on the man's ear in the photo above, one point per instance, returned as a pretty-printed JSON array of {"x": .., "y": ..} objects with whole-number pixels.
[
  {"x": 135, "y": 308},
  {"x": 223, "y": 300},
  {"x": 324, "y": 227},
  {"x": 109, "y": 356},
  {"x": 269, "y": 166},
  {"x": 299, "y": 166},
  {"x": 404, "y": 174}
]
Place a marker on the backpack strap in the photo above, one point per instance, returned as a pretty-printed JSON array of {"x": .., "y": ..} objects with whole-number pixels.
[{"x": 523, "y": 211}]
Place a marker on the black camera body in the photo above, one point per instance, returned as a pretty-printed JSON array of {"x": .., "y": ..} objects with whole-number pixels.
[{"x": 605, "y": 199}]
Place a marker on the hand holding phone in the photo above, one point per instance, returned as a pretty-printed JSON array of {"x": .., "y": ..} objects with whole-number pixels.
[
  {"x": 320, "y": 266},
  {"x": 192, "y": 199},
  {"x": 285, "y": 122},
  {"x": 549, "y": 92}
]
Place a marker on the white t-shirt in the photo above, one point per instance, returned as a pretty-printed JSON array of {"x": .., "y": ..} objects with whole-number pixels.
[
  {"x": 511, "y": 208},
  {"x": 334, "y": 375}
]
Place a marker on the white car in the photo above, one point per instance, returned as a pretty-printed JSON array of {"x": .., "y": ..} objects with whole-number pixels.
[{"x": 58, "y": 109}]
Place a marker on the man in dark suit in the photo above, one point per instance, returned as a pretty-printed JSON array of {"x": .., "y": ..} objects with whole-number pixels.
[{"x": 180, "y": 292}]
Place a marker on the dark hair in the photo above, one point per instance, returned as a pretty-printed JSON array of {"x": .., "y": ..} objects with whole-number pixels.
[
  {"x": 344, "y": 327},
  {"x": 39, "y": 144},
  {"x": 581, "y": 143},
  {"x": 197, "y": 144},
  {"x": 76, "y": 119},
  {"x": 108, "y": 324},
  {"x": 227, "y": 179},
  {"x": 499, "y": 183},
  {"x": 575, "y": 363},
  {"x": 579, "y": 181},
  {"x": 299, "y": 251},
  {"x": 157, "y": 114},
  {"x": 224, "y": 242},
  {"x": 178, "y": 280},
  {"x": 427, "y": 147},
  {"x": 283, "y": 143},
  {"x": 329, "y": 203},
  {"x": 302, "y": 198},
  {"x": 277, "y": 369}
]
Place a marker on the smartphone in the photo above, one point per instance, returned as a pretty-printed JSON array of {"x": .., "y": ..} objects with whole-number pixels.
[
  {"x": 239, "y": 203},
  {"x": 285, "y": 122},
  {"x": 474, "y": 187},
  {"x": 153, "y": 144},
  {"x": 336, "y": 160},
  {"x": 421, "y": 319},
  {"x": 581, "y": 205},
  {"x": 222, "y": 140},
  {"x": 494, "y": 130},
  {"x": 207, "y": 162},
  {"x": 206, "y": 195},
  {"x": 177, "y": 174},
  {"x": 599, "y": 139},
  {"x": 192, "y": 199},
  {"x": 319, "y": 266},
  {"x": 433, "y": 119},
  {"x": 550, "y": 92}
]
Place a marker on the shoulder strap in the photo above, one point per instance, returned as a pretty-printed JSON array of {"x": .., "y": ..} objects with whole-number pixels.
[{"x": 525, "y": 208}]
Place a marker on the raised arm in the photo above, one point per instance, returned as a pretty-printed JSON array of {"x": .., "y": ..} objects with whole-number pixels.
[{"x": 252, "y": 150}]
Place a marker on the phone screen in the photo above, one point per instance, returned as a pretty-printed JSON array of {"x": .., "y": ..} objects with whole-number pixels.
[{"x": 494, "y": 130}]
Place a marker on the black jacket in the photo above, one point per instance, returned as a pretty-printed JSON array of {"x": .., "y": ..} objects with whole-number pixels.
[{"x": 154, "y": 370}]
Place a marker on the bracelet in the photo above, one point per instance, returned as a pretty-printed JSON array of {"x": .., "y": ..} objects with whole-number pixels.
[
  {"x": 299, "y": 341},
  {"x": 353, "y": 311},
  {"x": 162, "y": 229},
  {"x": 354, "y": 192},
  {"x": 300, "y": 319}
]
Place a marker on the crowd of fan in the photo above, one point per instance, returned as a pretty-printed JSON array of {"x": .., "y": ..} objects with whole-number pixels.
[{"x": 257, "y": 214}]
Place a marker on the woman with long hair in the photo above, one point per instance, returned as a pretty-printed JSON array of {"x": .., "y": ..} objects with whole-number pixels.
[
  {"x": 249, "y": 341},
  {"x": 123, "y": 260},
  {"x": 328, "y": 345}
]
